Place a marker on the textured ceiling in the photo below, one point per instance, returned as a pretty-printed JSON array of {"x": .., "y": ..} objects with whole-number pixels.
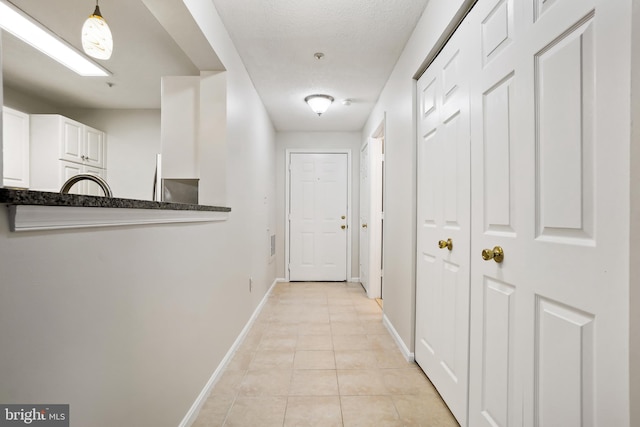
[
  {"x": 361, "y": 40},
  {"x": 276, "y": 39}
]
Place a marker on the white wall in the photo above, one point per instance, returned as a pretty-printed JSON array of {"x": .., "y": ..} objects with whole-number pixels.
[
  {"x": 634, "y": 274},
  {"x": 318, "y": 140},
  {"x": 180, "y": 122},
  {"x": 26, "y": 103},
  {"x": 397, "y": 100},
  {"x": 127, "y": 324},
  {"x": 251, "y": 176},
  {"x": 212, "y": 138}
]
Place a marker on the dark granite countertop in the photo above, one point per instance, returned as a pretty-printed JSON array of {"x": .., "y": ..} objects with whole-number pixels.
[{"x": 42, "y": 198}]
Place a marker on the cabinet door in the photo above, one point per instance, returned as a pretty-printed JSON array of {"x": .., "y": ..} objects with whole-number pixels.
[
  {"x": 69, "y": 169},
  {"x": 15, "y": 137},
  {"x": 89, "y": 187},
  {"x": 94, "y": 148},
  {"x": 71, "y": 144}
]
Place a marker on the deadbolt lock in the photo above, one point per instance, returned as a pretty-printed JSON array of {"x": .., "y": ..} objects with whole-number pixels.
[
  {"x": 342, "y": 217},
  {"x": 446, "y": 244},
  {"x": 496, "y": 254}
]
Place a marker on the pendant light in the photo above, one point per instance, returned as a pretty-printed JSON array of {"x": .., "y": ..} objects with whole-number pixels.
[
  {"x": 96, "y": 36},
  {"x": 319, "y": 103}
]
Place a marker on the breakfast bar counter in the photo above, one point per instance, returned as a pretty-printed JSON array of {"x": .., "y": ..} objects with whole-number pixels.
[{"x": 40, "y": 210}]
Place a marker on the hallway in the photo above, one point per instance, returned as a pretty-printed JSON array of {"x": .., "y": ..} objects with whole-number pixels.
[{"x": 318, "y": 354}]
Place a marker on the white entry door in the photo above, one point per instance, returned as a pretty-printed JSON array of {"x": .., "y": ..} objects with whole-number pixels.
[
  {"x": 371, "y": 217},
  {"x": 318, "y": 216},
  {"x": 443, "y": 224},
  {"x": 548, "y": 322}
]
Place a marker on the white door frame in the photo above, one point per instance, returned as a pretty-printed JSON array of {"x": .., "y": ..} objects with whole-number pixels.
[
  {"x": 380, "y": 133},
  {"x": 287, "y": 198},
  {"x": 375, "y": 227}
]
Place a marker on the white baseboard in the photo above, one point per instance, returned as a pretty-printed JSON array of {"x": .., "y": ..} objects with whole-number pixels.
[
  {"x": 355, "y": 279},
  {"x": 193, "y": 412},
  {"x": 408, "y": 355}
]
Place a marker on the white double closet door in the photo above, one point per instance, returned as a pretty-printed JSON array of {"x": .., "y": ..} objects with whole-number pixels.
[{"x": 523, "y": 125}]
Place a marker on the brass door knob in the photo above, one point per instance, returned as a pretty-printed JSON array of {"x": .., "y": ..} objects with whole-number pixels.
[
  {"x": 364, "y": 225},
  {"x": 343, "y": 226},
  {"x": 496, "y": 254},
  {"x": 446, "y": 244}
]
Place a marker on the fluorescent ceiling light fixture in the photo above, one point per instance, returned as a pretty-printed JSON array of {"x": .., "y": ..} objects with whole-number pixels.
[
  {"x": 96, "y": 36},
  {"x": 27, "y": 29},
  {"x": 319, "y": 103}
]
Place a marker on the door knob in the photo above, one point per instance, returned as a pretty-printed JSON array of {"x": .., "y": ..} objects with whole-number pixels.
[
  {"x": 446, "y": 244},
  {"x": 343, "y": 217},
  {"x": 343, "y": 226},
  {"x": 496, "y": 254},
  {"x": 364, "y": 225}
]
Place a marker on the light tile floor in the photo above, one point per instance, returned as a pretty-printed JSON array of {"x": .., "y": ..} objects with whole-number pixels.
[{"x": 319, "y": 355}]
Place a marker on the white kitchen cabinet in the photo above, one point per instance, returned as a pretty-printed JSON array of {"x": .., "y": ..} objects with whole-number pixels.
[
  {"x": 94, "y": 148},
  {"x": 71, "y": 140},
  {"x": 68, "y": 132},
  {"x": 15, "y": 145},
  {"x": 62, "y": 147}
]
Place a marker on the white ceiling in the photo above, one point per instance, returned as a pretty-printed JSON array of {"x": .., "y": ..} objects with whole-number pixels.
[
  {"x": 143, "y": 53},
  {"x": 361, "y": 40},
  {"x": 276, "y": 39}
]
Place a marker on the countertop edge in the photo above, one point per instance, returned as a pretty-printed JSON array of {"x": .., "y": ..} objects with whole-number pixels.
[
  {"x": 42, "y": 198},
  {"x": 38, "y": 217}
]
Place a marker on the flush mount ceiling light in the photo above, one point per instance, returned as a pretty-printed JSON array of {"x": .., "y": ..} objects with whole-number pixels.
[
  {"x": 96, "y": 36},
  {"x": 319, "y": 103},
  {"x": 30, "y": 31}
]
